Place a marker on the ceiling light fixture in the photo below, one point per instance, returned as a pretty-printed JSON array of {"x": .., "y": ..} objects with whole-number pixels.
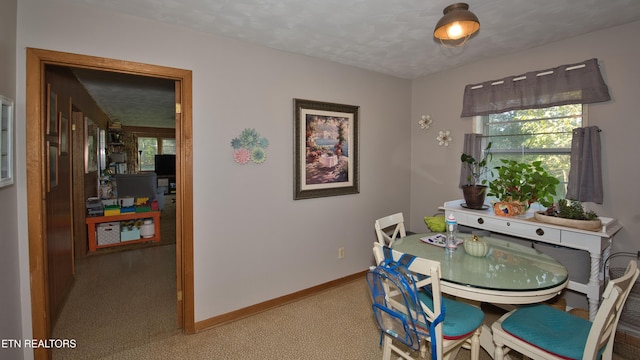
[{"x": 456, "y": 26}]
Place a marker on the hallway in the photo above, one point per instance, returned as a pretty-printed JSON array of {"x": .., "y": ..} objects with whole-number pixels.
[{"x": 119, "y": 301}]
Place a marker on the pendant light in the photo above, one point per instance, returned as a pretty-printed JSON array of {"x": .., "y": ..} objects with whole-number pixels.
[{"x": 456, "y": 26}]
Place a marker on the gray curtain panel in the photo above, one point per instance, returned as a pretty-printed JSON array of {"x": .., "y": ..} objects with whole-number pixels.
[
  {"x": 580, "y": 83},
  {"x": 585, "y": 174},
  {"x": 472, "y": 146}
]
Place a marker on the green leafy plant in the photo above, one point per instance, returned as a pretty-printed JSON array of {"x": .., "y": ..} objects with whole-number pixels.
[
  {"x": 524, "y": 183},
  {"x": 477, "y": 169},
  {"x": 571, "y": 210}
]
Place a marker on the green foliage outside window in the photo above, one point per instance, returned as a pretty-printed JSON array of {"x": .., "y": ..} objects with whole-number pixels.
[
  {"x": 535, "y": 135},
  {"x": 148, "y": 149},
  {"x": 168, "y": 146}
]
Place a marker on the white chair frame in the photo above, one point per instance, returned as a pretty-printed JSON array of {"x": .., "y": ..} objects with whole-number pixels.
[
  {"x": 446, "y": 349},
  {"x": 602, "y": 330},
  {"x": 399, "y": 231}
]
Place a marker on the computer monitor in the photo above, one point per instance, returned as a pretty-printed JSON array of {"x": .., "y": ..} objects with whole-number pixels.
[{"x": 165, "y": 165}]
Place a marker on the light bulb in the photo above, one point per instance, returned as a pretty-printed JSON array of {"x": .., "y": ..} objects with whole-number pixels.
[{"x": 454, "y": 31}]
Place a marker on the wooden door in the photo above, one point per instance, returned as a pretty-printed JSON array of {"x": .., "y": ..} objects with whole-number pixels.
[
  {"x": 59, "y": 240},
  {"x": 179, "y": 128},
  {"x": 78, "y": 186}
]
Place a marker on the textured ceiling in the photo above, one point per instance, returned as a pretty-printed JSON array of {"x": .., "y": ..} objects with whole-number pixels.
[
  {"x": 390, "y": 37},
  {"x": 131, "y": 99}
]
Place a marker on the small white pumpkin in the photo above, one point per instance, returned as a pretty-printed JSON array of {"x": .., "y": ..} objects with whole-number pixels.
[{"x": 476, "y": 246}]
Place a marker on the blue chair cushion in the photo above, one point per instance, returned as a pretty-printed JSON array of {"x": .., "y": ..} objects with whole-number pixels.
[
  {"x": 549, "y": 329},
  {"x": 460, "y": 319}
]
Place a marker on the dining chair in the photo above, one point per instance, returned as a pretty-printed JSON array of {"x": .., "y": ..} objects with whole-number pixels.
[
  {"x": 461, "y": 324},
  {"x": 385, "y": 224},
  {"x": 543, "y": 332}
]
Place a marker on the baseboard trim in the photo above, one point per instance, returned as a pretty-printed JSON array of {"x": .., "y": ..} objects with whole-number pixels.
[{"x": 273, "y": 303}]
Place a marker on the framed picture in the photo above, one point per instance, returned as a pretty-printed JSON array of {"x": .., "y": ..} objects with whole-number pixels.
[
  {"x": 52, "y": 174},
  {"x": 63, "y": 133},
  {"x": 6, "y": 141},
  {"x": 102, "y": 150},
  {"x": 52, "y": 111},
  {"x": 90, "y": 146},
  {"x": 325, "y": 149}
]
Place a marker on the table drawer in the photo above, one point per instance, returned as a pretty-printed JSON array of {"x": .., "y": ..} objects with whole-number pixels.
[{"x": 510, "y": 227}]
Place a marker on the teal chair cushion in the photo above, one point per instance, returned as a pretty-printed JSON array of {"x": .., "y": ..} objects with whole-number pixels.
[
  {"x": 550, "y": 329},
  {"x": 460, "y": 319}
]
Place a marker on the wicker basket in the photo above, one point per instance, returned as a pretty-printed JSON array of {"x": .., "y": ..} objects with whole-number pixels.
[
  {"x": 631, "y": 312},
  {"x": 626, "y": 346}
]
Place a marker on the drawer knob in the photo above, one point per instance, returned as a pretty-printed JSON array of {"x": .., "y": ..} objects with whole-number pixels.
[
  {"x": 539, "y": 231},
  {"x": 480, "y": 221}
]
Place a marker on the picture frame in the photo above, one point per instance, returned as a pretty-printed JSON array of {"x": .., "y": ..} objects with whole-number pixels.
[
  {"x": 6, "y": 141},
  {"x": 52, "y": 164},
  {"x": 52, "y": 111},
  {"x": 102, "y": 150},
  {"x": 325, "y": 149},
  {"x": 90, "y": 146}
]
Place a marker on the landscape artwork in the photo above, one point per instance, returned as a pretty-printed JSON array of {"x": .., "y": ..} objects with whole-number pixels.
[{"x": 325, "y": 148}]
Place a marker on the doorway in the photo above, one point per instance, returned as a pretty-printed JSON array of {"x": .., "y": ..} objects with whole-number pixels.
[{"x": 36, "y": 183}]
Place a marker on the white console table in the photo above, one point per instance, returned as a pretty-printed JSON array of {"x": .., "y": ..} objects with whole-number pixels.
[{"x": 597, "y": 243}]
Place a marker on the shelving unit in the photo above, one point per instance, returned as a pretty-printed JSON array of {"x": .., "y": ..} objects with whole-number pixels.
[
  {"x": 116, "y": 151},
  {"x": 92, "y": 221}
]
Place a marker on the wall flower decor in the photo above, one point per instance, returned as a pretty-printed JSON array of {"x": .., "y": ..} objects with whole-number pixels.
[
  {"x": 444, "y": 138},
  {"x": 249, "y": 146},
  {"x": 425, "y": 122}
]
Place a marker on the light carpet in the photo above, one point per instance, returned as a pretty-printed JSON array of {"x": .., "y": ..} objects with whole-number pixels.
[{"x": 122, "y": 306}]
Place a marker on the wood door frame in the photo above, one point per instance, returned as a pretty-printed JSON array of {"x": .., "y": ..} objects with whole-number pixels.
[{"x": 36, "y": 185}]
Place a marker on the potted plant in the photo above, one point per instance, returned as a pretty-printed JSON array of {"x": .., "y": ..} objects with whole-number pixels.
[
  {"x": 475, "y": 190},
  {"x": 519, "y": 184},
  {"x": 570, "y": 213}
]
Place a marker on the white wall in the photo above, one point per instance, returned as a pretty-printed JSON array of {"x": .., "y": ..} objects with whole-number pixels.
[
  {"x": 253, "y": 242},
  {"x": 435, "y": 169},
  {"x": 10, "y": 319}
]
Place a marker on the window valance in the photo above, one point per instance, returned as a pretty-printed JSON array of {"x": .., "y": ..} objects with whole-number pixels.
[{"x": 579, "y": 83}]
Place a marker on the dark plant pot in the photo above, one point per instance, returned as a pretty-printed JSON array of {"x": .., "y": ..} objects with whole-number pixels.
[{"x": 474, "y": 195}]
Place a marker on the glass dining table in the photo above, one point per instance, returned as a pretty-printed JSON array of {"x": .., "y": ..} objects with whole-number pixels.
[{"x": 510, "y": 273}]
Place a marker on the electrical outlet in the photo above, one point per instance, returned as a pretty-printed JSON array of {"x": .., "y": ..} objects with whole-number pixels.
[{"x": 340, "y": 253}]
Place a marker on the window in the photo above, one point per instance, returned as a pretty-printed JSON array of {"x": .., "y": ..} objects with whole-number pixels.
[
  {"x": 148, "y": 148},
  {"x": 535, "y": 134},
  {"x": 168, "y": 146}
]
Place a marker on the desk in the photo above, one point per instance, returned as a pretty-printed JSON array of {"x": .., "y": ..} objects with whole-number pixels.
[
  {"x": 93, "y": 220},
  {"x": 509, "y": 274}
]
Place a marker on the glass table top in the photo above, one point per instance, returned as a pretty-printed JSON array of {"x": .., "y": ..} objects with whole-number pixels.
[{"x": 507, "y": 266}]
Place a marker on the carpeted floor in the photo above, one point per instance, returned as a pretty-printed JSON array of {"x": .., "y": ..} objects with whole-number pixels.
[
  {"x": 119, "y": 301},
  {"x": 122, "y": 306}
]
